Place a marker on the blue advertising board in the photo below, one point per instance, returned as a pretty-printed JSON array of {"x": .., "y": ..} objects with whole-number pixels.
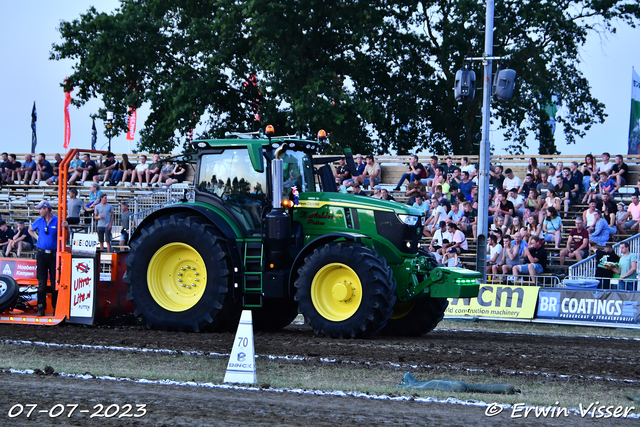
[{"x": 590, "y": 306}]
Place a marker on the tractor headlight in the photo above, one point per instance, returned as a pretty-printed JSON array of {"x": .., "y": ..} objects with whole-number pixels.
[{"x": 409, "y": 220}]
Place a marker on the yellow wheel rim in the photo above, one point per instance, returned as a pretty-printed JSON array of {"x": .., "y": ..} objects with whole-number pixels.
[
  {"x": 177, "y": 277},
  {"x": 336, "y": 292},
  {"x": 401, "y": 309}
]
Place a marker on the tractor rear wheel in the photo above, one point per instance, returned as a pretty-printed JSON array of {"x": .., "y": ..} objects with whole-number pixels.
[
  {"x": 178, "y": 271},
  {"x": 416, "y": 318},
  {"x": 345, "y": 290},
  {"x": 9, "y": 291}
]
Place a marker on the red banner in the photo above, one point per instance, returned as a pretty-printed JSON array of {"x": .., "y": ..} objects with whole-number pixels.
[
  {"x": 67, "y": 121},
  {"x": 20, "y": 269},
  {"x": 133, "y": 117}
]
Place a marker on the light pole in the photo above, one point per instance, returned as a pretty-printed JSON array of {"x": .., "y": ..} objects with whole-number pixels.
[{"x": 109, "y": 126}]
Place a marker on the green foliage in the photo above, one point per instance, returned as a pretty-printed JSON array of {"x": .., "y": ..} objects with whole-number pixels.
[{"x": 377, "y": 76}]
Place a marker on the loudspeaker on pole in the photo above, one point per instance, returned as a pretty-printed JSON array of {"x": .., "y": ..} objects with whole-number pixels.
[{"x": 242, "y": 362}]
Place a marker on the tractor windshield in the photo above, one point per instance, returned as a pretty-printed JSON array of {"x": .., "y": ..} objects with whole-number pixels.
[
  {"x": 297, "y": 172},
  {"x": 231, "y": 177}
]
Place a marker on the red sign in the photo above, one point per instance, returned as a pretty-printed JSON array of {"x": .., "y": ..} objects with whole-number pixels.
[
  {"x": 19, "y": 268},
  {"x": 133, "y": 117}
]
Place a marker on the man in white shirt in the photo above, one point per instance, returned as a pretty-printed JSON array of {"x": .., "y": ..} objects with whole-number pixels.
[
  {"x": 438, "y": 213},
  {"x": 510, "y": 180},
  {"x": 605, "y": 165},
  {"x": 517, "y": 200},
  {"x": 466, "y": 167},
  {"x": 140, "y": 171},
  {"x": 441, "y": 240},
  {"x": 552, "y": 176}
]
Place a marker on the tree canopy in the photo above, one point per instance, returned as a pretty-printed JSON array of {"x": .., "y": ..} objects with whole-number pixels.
[{"x": 377, "y": 75}]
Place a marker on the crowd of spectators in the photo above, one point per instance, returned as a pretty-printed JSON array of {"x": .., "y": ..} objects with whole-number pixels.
[
  {"x": 88, "y": 170},
  {"x": 528, "y": 215}
]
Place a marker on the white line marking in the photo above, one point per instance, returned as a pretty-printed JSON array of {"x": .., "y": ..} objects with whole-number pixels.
[{"x": 303, "y": 358}]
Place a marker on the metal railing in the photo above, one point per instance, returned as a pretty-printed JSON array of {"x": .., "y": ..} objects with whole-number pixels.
[
  {"x": 524, "y": 280},
  {"x": 602, "y": 283},
  {"x": 587, "y": 267},
  {"x": 143, "y": 206}
]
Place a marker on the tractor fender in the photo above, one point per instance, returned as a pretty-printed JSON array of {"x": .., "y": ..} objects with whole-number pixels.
[
  {"x": 214, "y": 217},
  {"x": 312, "y": 245}
]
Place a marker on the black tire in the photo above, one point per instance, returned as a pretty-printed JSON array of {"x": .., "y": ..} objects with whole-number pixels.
[
  {"x": 377, "y": 287},
  {"x": 209, "y": 250},
  {"x": 415, "y": 318},
  {"x": 274, "y": 314},
  {"x": 9, "y": 291}
]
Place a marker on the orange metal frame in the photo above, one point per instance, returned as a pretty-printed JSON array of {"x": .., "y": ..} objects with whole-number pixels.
[{"x": 63, "y": 257}]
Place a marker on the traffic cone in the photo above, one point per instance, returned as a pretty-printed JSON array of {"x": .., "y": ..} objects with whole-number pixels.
[{"x": 242, "y": 362}]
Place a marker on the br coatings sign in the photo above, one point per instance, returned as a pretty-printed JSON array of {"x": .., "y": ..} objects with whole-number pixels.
[
  {"x": 497, "y": 301},
  {"x": 591, "y": 306}
]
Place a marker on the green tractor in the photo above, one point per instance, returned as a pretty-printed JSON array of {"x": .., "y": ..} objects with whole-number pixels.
[{"x": 268, "y": 231}]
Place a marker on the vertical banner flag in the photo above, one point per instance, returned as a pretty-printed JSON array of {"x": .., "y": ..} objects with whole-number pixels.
[
  {"x": 67, "y": 121},
  {"x": 34, "y": 118},
  {"x": 634, "y": 121},
  {"x": 133, "y": 117},
  {"x": 94, "y": 135},
  {"x": 552, "y": 109}
]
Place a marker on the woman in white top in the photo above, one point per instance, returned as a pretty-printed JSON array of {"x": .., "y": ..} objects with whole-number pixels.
[
  {"x": 551, "y": 201},
  {"x": 458, "y": 245},
  {"x": 139, "y": 171}
]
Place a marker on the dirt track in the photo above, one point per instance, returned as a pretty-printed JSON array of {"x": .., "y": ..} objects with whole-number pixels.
[
  {"x": 497, "y": 354},
  {"x": 492, "y": 352}
]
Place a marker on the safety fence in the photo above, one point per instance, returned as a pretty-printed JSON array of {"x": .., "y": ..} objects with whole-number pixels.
[
  {"x": 526, "y": 280},
  {"x": 145, "y": 205},
  {"x": 587, "y": 267}
]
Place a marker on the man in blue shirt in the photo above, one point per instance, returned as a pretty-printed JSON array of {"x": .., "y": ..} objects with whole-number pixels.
[
  {"x": 28, "y": 168},
  {"x": 466, "y": 184},
  {"x": 46, "y": 241},
  {"x": 44, "y": 170}
]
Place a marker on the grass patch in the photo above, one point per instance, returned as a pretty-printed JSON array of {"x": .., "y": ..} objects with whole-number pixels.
[{"x": 311, "y": 375}]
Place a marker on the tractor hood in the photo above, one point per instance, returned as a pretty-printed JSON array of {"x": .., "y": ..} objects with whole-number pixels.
[{"x": 319, "y": 200}]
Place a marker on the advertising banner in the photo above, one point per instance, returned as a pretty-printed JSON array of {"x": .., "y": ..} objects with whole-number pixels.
[
  {"x": 84, "y": 244},
  {"x": 133, "y": 119},
  {"x": 497, "y": 301},
  {"x": 589, "y": 306},
  {"x": 19, "y": 269},
  {"x": 67, "y": 120},
  {"x": 82, "y": 290}
]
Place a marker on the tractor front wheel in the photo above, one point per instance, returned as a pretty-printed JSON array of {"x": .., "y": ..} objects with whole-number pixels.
[
  {"x": 416, "y": 318},
  {"x": 345, "y": 290}
]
